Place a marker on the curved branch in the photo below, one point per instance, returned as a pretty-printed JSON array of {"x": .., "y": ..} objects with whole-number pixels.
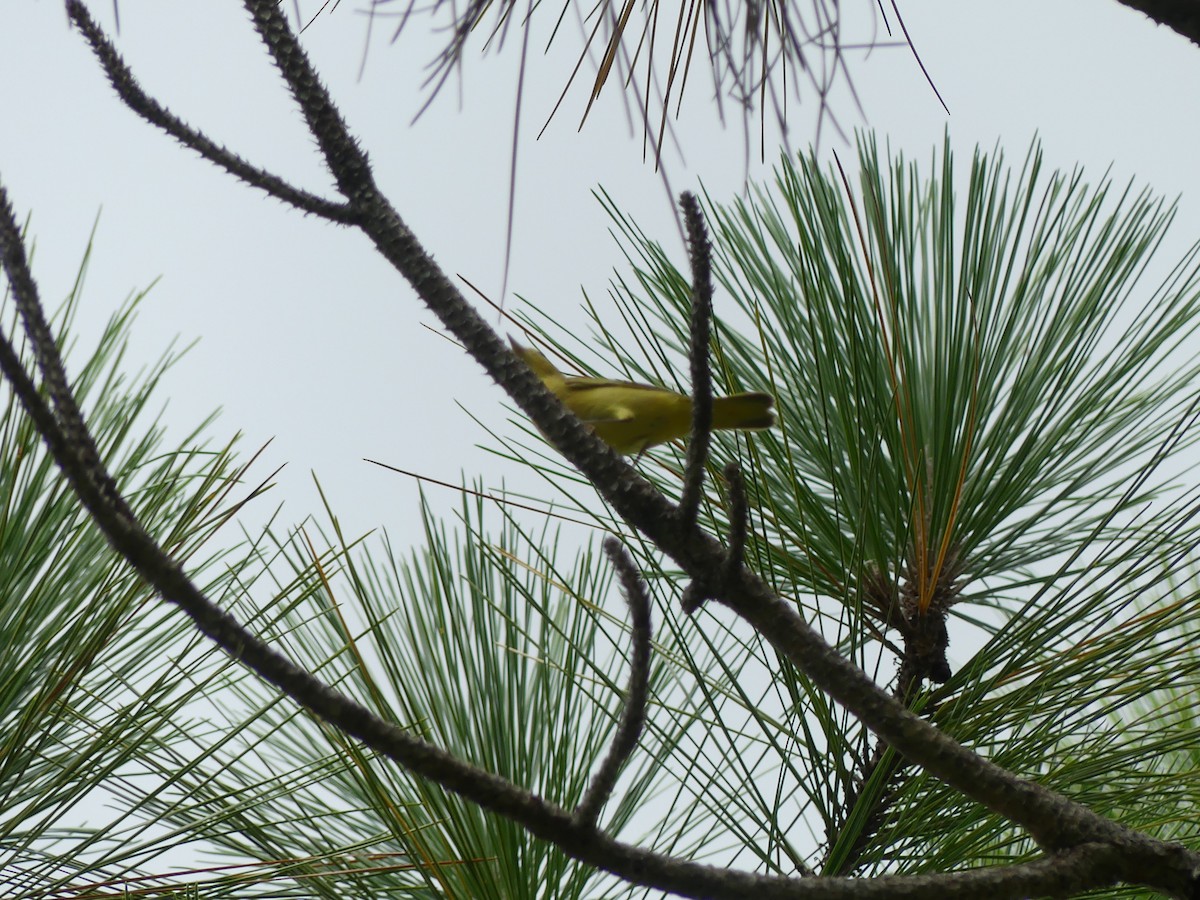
[
  {"x": 1181, "y": 16},
  {"x": 539, "y": 817},
  {"x": 127, "y": 88},
  {"x": 633, "y": 718},
  {"x": 700, "y": 258}
]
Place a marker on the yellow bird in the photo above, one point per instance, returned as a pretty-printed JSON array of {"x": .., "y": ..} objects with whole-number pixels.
[{"x": 632, "y": 417}]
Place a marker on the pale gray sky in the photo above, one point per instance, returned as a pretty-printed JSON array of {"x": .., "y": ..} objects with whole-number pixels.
[{"x": 307, "y": 337}]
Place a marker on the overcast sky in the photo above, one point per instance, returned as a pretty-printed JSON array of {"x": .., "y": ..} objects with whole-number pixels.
[{"x": 307, "y": 337}]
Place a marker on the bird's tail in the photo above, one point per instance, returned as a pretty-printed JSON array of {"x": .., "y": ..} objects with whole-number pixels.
[{"x": 751, "y": 411}]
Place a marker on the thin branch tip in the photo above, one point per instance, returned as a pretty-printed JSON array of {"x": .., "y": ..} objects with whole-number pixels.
[
  {"x": 125, "y": 83},
  {"x": 633, "y": 716},
  {"x": 739, "y": 518},
  {"x": 700, "y": 440}
]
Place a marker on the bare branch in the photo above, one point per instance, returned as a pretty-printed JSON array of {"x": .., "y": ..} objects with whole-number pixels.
[
  {"x": 399, "y": 246},
  {"x": 1182, "y": 16},
  {"x": 64, "y": 414},
  {"x": 697, "y": 592},
  {"x": 122, "y": 79},
  {"x": 633, "y": 717},
  {"x": 700, "y": 257},
  {"x": 739, "y": 518}
]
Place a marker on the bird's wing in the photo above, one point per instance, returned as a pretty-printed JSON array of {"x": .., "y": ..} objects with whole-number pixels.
[{"x": 598, "y": 400}]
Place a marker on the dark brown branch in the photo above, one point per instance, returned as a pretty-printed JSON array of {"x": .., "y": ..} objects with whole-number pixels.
[
  {"x": 697, "y": 592},
  {"x": 633, "y": 717},
  {"x": 397, "y": 244},
  {"x": 1068, "y": 829},
  {"x": 874, "y": 785},
  {"x": 127, "y": 536},
  {"x": 122, "y": 79},
  {"x": 1181, "y": 16},
  {"x": 739, "y": 519},
  {"x": 923, "y": 659},
  {"x": 700, "y": 257},
  {"x": 1054, "y": 821}
]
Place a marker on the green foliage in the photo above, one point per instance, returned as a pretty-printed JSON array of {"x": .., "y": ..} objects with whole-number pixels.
[
  {"x": 977, "y": 395},
  {"x": 87, "y": 684},
  {"x": 480, "y": 644},
  {"x": 962, "y": 383}
]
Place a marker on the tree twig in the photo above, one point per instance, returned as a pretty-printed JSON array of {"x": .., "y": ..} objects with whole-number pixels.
[
  {"x": 700, "y": 258},
  {"x": 123, "y": 81},
  {"x": 633, "y": 716}
]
